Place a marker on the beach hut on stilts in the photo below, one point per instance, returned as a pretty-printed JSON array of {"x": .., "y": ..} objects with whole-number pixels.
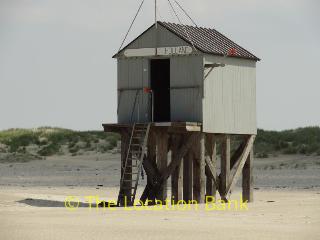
[{"x": 191, "y": 92}]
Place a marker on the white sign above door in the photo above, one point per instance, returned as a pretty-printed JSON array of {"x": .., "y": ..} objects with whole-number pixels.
[{"x": 163, "y": 51}]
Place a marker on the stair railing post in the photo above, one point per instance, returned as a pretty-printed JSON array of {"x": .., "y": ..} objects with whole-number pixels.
[{"x": 152, "y": 106}]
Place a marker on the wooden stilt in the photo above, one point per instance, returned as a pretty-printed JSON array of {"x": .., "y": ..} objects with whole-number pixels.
[
  {"x": 177, "y": 177},
  {"x": 152, "y": 148},
  {"x": 196, "y": 172},
  {"x": 202, "y": 168},
  {"x": 238, "y": 167},
  {"x": 162, "y": 160},
  {"x": 211, "y": 155},
  {"x": 199, "y": 169},
  {"x": 247, "y": 179},
  {"x": 225, "y": 165},
  {"x": 152, "y": 158},
  {"x": 187, "y": 176}
]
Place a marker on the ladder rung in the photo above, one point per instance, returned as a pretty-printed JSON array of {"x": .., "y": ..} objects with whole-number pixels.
[
  {"x": 133, "y": 161},
  {"x": 122, "y": 194},
  {"x": 126, "y": 180},
  {"x": 135, "y": 152},
  {"x": 127, "y": 173},
  {"x": 127, "y": 188},
  {"x": 137, "y": 159},
  {"x": 135, "y": 147},
  {"x": 139, "y": 135}
]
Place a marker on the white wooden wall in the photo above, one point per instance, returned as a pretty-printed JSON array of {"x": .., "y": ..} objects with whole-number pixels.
[{"x": 229, "y": 103}]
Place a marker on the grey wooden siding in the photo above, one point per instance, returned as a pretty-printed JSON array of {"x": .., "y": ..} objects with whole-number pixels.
[
  {"x": 132, "y": 77},
  {"x": 186, "y": 88},
  {"x": 186, "y": 71},
  {"x": 165, "y": 39},
  {"x": 229, "y": 103}
]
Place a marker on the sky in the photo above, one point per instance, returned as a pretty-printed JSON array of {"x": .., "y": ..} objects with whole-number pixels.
[{"x": 56, "y": 67}]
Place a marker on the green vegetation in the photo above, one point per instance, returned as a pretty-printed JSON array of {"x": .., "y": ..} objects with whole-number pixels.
[
  {"x": 48, "y": 141},
  {"x": 49, "y": 150},
  {"x": 297, "y": 141}
]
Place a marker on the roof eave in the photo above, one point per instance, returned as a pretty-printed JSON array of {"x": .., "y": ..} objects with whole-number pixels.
[{"x": 116, "y": 55}]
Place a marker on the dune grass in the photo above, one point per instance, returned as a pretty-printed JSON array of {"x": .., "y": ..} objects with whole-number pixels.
[
  {"x": 50, "y": 140},
  {"x": 296, "y": 141}
]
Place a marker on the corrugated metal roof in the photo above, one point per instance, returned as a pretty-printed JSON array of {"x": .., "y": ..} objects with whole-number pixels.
[{"x": 205, "y": 40}]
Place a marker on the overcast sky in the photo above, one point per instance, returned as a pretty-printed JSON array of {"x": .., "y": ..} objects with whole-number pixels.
[{"x": 56, "y": 67}]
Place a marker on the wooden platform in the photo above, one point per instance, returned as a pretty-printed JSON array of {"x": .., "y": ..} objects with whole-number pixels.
[{"x": 172, "y": 127}]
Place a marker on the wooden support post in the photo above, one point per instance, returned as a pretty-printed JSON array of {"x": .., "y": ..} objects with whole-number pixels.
[
  {"x": 125, "y": 138},
  {"x": 196, "y": 171},
  {"x": 162, "y": 160},
  {"x": 247, "y": 179},
  {"x": 152, "y": 158},
  {"x": 211, "y": 155},
  {"x": 225, "y": 165},
  {"x": 187, "y": 175},
  {"x": 202, "y": 168},
  {"x": 238, "y": 167},
  {"x": 152, "y": 148},
  {"x": 199, "y": 169},
  {"x": 176, "y": 178}
]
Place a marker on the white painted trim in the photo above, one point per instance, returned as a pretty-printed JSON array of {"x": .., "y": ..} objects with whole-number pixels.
[{"x": 163, "y": 51}]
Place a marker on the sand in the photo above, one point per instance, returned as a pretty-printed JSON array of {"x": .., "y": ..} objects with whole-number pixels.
[
  {"x": 275, "y": 214},
  {"x": 32, "y": 195}
]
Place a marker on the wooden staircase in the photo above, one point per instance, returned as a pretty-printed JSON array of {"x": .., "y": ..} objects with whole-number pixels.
[{"x": 133, "y": 164}]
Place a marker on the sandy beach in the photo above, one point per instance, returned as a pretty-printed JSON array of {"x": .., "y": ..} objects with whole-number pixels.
[
  {"x": 32, "y": 204},
  {"x": 275, "y": 214}
]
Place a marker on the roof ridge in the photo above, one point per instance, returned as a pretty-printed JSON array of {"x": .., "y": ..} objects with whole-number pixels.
[{"x": 187, "y": 25}]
